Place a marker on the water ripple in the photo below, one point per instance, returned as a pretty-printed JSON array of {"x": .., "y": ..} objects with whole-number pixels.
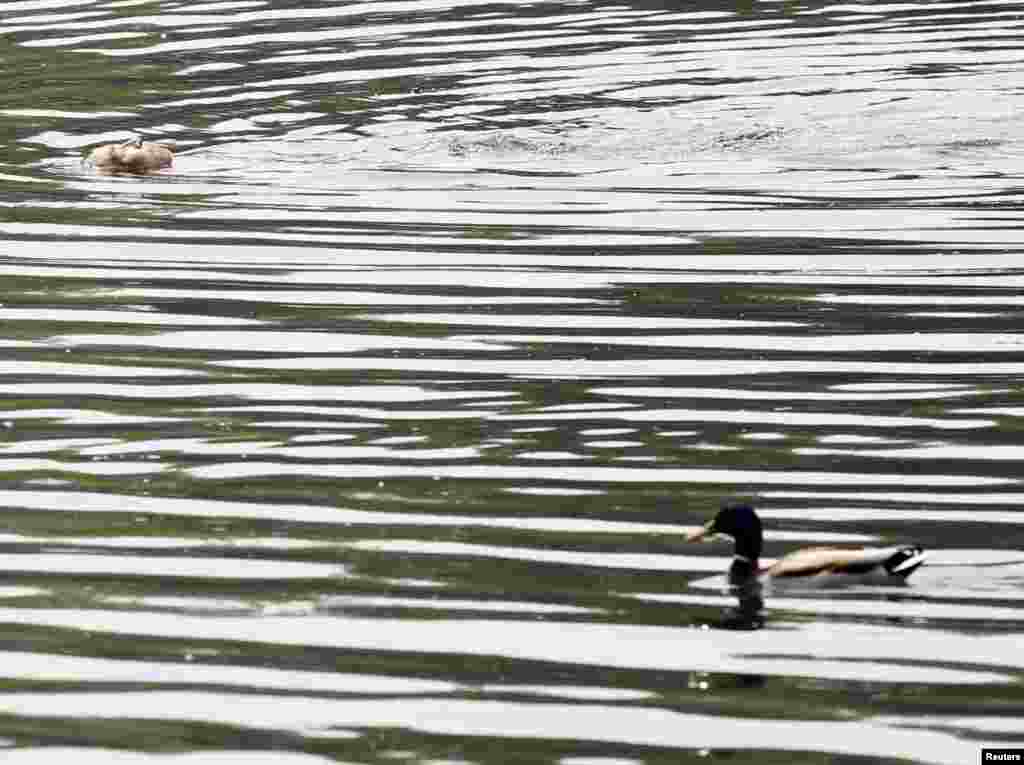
[{"x": 373, "y": 428}]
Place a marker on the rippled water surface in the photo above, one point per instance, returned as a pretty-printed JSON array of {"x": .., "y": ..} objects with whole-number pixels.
[{"x": 370, "y": 432}]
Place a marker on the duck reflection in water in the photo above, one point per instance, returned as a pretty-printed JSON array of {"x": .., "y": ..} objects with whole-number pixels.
[{"x": 748, "y": 612}]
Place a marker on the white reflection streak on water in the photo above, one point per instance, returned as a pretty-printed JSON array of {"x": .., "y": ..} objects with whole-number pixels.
[
  {"x": 582, "y": 367},
  {"x": 73, "y": 369},
  {"x": 170, "y": 259},
  {"x": 86, "y": 468},
  {"x": 948, "y": 342},
  {"x": 277, "y": 341},
  {"x": 118, "y": 317},
  {"x": 868, "y": 495},
  {"x": 592, "y": 321},
  {"x": 12, "y": 418},
  {"x": 56, "y": 668},
  {"x": 275, "y": 392},
  {"x": 210, "y": 568},
  {"x": 594, "y": 473},
  {"x": 934, "y": 451},
  {"x": 773, "y": 418},
  {"x": 914, "y": 392},
  {"x": 345, "y": 297}
]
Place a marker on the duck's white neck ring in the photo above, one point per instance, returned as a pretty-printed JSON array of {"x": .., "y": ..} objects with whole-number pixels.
[{"x": 743, "y": 558}]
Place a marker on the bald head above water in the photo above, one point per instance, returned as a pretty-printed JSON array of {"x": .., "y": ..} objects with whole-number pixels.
[{"x": 135, "y": 156}]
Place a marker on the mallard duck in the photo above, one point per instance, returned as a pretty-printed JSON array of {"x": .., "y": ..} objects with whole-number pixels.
[
  {"x": 135, "y": 156},
  {"x": 887, "y": 564}
]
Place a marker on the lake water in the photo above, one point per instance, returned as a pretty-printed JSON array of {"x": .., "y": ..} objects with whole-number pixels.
[{"x": 370, "y": 432}]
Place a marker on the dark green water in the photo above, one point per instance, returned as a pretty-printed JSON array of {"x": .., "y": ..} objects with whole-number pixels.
[{"x": 370, "y": 432}]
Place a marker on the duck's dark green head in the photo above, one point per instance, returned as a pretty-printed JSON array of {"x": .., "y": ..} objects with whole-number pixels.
[{"x": 740, "y": 522}]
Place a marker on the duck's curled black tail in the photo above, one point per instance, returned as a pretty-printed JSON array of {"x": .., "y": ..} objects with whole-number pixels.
[{"x": 905, "y": 561}]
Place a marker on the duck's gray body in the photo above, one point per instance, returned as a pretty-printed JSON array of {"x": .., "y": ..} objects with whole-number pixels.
[{"x": 883, "y": 562}]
